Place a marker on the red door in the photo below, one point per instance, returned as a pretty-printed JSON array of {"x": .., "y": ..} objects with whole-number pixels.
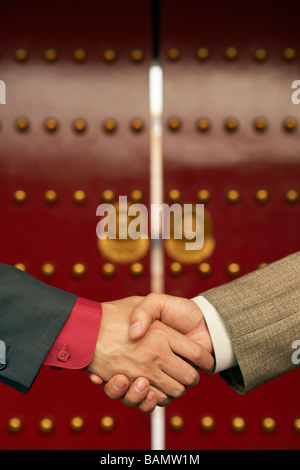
[{"x": 75, "y": 132}]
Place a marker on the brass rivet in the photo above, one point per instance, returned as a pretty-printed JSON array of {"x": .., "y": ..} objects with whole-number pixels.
[
  {"x": 231, "y": 124},
  {"x": 231, "y": 53},
  {"x": 233, "y": 195},
  {"x": 269, "y": 424},
  {"x": 260, "y": 54},
  {"x": 109, "y": 56},
  {"x": 22, "y": 124},
  {"x": 174, "y": 124},
  {"x": 79, "y": 196},
  {"x": 50, "y": 55},
  {"x": 176, "y": 423},
  {"x": 15, "y": 424},
  {"x": 20, "y": 266},
  {"x": 137, "y": 269},
  {"x": 137, "y": 55},
  {"x": 79, "y": 269},
  {"x": 50, "y": 196},
  {"x": 203, "y": 125},
  {"x": 79, "y": 55},
  {"x": 46, "y": 425},
  {"x": 202, "y": 53},
  {"x": 175, "y": 268},
  {"x": 137, "y": 125},
  {"x": 20, "y": 196},
  {"x": 234, "y": 269},
  {"x": 107, "y": 423},
  {"x": 77, "y": 423},
  {"x": 262, "y": 195},
  {"x": 290, "y": 124},
  {"x": 292, "y": 195},
  {"x": 238, "y": 424},
  {"x": 204, "y": 269},
  {"x": 297, "y": 424},
  {"x": 174, "y": 195},
  {"x": 289, "y": 53},
  {"x": 21, "y": 55},
  {"x": 262, "y": 265},
  {"x": 79, "y": 125},
  {"x": 203, "y": 195},
  {"x": 207, "y": 423},
  {"x": 110, "y": 125},
  {"x": 174, "y": 54},
  {"x": 136, "y": 195},
  {"x": 108, "y": 269},
  {"x": 108, "y": 195},
  {"x": 51, "y": 125},
  {"x": 48, "y": 270},
  {"x": 260, "y": 124}
]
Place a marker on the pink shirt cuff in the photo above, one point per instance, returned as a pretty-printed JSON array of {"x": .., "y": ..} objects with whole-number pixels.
[{"x": 75, "y": 345}]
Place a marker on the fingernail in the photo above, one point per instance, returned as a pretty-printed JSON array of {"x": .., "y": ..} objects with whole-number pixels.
[
  {"x": 135, "y": 327},
  {"x": 119, "y": 384},
  {"x": 140, "y": 386}
]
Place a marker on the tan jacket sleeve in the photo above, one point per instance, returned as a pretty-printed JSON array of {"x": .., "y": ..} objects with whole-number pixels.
[{"x": 261, "y": 312}]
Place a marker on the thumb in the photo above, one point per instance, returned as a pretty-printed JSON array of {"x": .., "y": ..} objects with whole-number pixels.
[
  {"x": 145, "y": 313},
  {"x": 178, "y": 313}
]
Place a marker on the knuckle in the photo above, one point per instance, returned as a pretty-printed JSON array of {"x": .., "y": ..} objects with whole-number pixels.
[
  {"x": 152, "y": 354},
  {"x": 152, "y": 296},
  {"x": 164, "y": 401},
  {"x": 196, "y": 352},
  {"x": 192, "y": 377},
  {"x": 179, "y": 391}
]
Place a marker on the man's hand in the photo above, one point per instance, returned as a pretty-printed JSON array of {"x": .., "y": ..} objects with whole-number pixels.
[
  {"x": 181, "y": 314},
  {"x": 155, "y": 355}
]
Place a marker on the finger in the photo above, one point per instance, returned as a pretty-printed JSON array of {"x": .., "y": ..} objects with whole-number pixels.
[
  {"x": 152, "y": 400},
  {"x": 190, "y": 350},
  {"x": 162, "y": 398},
  {"x": 144, "y": 314},
  {"x": 95, "y": 379},
  {"x": 169, "y": 386},
  {"x": 166, "y": 402},
  {"x": 181, "y": 371},
  {"x": 137, "y": 392},
  {"x": 116, "y": 386},
  {"x": 149, "y": 403},
  {"x": 145, "y": 396}
]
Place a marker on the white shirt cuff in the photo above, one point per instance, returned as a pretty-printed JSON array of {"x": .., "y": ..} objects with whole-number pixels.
[{"x": 223, "y": 350}]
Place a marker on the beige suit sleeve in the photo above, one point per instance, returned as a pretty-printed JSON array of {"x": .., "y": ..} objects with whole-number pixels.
[{"x": 261, "y": 312}]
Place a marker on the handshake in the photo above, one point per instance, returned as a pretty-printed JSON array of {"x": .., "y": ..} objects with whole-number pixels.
[{"x": 149, "y": 348}]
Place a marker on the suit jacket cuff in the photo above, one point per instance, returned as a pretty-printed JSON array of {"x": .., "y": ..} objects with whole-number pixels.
[
  {"x": 75, "y": 345},
  {"x": 261, "y": 314},
  {"x": 223, "y": 350}
]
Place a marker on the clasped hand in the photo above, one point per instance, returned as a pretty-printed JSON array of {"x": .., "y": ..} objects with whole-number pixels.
[{"x": 149, "y": 349}]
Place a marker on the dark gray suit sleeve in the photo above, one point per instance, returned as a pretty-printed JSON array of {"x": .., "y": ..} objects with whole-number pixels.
[{"x": 32, "y": 314}]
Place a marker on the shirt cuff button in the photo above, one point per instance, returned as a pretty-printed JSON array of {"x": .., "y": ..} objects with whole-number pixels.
[{"x": 63, "y": 355}]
